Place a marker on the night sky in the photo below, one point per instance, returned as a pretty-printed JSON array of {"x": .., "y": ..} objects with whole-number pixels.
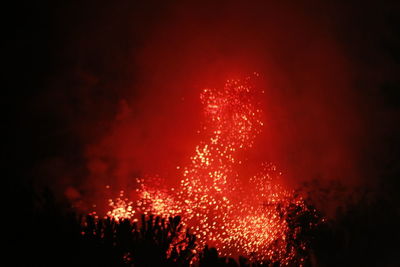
[{"x": 99, "y": 92}]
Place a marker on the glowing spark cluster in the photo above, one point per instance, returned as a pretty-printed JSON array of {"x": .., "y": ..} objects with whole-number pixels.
[
  {"x": 121, "y": 207},
  {"x": 236, "y": 217},
  {"x": 154, "y": 199}
]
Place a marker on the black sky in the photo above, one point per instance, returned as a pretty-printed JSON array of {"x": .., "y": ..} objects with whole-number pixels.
[{"x": 71, "y": 63}]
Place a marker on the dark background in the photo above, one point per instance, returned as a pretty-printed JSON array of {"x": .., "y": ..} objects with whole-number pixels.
[{"x": 73, "y": 68}]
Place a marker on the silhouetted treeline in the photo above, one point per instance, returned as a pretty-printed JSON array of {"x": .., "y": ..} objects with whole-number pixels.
[
  {"x": 47, "y": 233},
  {"x": 153, "y": 242},
  {"x": 362, "y": 231}
]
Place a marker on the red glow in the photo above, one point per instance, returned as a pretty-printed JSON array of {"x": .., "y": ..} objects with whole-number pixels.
[{"x": 219, "y": 208}]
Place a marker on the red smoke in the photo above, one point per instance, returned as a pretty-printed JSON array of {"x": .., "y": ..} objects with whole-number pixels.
[
  {"x": 238, "y": 213},
  {"x": 311, "y": 119}
]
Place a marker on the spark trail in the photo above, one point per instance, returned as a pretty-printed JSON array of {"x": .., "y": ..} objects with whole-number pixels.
[{"x": 237, "y": 218}]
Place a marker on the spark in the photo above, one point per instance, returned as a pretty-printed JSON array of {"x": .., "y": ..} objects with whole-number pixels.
[{"x": 235, "y": 217}]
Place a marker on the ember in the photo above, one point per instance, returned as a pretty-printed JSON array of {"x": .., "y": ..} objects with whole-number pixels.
[{"x": 247, "y": 219}]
